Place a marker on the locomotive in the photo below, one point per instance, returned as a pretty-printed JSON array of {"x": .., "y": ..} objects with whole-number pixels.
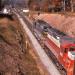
[
  {"x": 60, "y": 44},
  {"x": 5, "y": 11}
]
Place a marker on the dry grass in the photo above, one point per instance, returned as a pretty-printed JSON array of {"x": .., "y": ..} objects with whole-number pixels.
[{"x": 14, "y": 57}]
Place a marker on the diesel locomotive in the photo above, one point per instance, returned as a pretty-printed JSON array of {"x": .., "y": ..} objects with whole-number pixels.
[
  {"x": 60, "y": 44},
  {"x": 5, "y": 10}
]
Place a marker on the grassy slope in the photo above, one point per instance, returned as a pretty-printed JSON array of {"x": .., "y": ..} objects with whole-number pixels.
[{"x": 14, "y": 58}]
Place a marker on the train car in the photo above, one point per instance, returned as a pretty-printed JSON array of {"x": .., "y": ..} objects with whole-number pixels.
[
  {"x": 4, "y": 10},
  {"x": 61, "y": 46}
]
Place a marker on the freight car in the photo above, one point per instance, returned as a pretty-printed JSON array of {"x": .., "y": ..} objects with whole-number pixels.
[{"x": 61, "y": 45}]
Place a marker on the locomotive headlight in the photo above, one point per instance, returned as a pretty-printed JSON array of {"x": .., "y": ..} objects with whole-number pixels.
[
  {"x": 71, "y": 55},
  {"x": 5, "y": 11}
]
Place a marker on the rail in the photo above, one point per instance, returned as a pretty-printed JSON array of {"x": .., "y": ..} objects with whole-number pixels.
[{"x": 39, "y": 50}]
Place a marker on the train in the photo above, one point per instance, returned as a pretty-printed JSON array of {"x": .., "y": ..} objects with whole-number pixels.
[
  {"x": 5, "y": 11},
  {"x": 61, "y": 45}
]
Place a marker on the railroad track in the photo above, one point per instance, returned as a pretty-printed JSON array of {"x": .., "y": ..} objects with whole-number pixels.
[
  {"x": 48, "y": 52},
  {"x": 55, "y": 61},
  {"x": 53, "y": 58},
  {"x": 45, "y": 49}
]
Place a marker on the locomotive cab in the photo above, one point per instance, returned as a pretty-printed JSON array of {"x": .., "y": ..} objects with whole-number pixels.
[
  {"x": 68, "y": 58},
  {"x": 61, "y": 45}
]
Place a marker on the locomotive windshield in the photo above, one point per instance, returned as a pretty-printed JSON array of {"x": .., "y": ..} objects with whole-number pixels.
[
  {"x": 72, "y": 48},
  {"x": 71, "y": 53}
]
